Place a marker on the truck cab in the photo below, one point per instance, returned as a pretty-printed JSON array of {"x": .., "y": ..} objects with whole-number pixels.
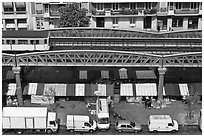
[
  {"x": 162, "y": 123},
  {"x": 52, "y": 124}
]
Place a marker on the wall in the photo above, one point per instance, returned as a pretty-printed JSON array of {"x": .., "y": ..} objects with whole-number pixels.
[
  {"x": 154, "y": 23},
  {"x": 139, "y": 23},
  {"x": 200, "y": 23},
  {"x": 124, "y": 23},
  {"x": 108, "y": 23},
  {"x": 185, "y": 23}
]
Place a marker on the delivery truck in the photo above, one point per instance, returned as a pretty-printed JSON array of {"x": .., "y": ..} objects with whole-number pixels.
[
  {"x": 80, "y": 123},
  {"x": 32, "y": 119},
  {"x": 162, "y": 123}
]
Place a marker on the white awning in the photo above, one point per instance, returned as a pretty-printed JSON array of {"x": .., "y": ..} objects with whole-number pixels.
[
  {"x": 20, "y": 4},
  {"x": 145, "y": 74},
  {"x": 80, "y": 90},
  {"x": 8, "y": 4},
  {"x": 11, "y": 89},
  {"x": 123, "y": 73},
  {"x": 184, "y": 89},
  {"x": 104, "y": 74},
  {"x": 32, "y": 88},
  {"x": 102, "y": 89},
  {"x": 83, "y": 74},
  {"x": 146, "y": 89},
  {"x": 126, "y": 89},
  {"x": 59, "y": 89}
]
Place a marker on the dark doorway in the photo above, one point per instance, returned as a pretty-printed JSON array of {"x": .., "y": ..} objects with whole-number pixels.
[
  {"x": 100, "y": 22},
  {"x": 147, "y": 22}
]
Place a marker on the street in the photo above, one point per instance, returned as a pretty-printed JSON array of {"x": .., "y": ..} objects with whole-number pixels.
[{"x": 183, "y": 130}]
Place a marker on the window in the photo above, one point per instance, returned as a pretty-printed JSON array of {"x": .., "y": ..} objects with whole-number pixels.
[
  {"x": 46, "y": 8},
  {"x": 132, "y": 5},
  {"x": 171, "y": 5},
  {"x": 34, "y": 41},
  {"x": 99, "y": 6},
  {"x": 123, "y": 126},
  {"x": 115, "y": 6},
  {"x": 148, "y": 5},
  {"x": 10, "y": 41},
  {"x": 52, "y": 123},
  {"x": 87, "y": 124},
  {"x": 128, "y": 126},
  {"x": 170, "y": 124},
  {"x": 39, "y": 23},
  {"x": 193, "y": 23},
  {"x": 83, "y": 74},
  {"x": 45, "y": 41},
  {"x": 177, "y": 22},
  {"x": 132, "y": 20},
  {"x": 178, "y": 5},
  {"x": 39, "y": 8},
  {"x": 20, "y": 6},
  {"x": 9, "y": 21},
  {"x": 22, "y": 42},
  {"x": 194, "y": 5},
  {"x": 21, "y": 21},
  {"x": 2, "y": 41},
  {"x": 8, "y": 6},
  {"x": 115, "y": 20}
]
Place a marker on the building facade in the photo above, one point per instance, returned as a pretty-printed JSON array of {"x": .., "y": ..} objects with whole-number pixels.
[{"x": 122, "y": 15}]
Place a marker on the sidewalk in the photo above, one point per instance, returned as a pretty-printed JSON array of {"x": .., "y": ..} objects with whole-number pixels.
[{"x": 138, "y": 113}]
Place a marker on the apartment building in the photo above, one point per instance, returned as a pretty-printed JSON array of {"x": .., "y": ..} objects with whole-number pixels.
[{"x": 122, "y": 15}]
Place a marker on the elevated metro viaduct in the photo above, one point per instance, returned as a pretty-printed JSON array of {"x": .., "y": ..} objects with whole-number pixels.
[{"x": 112, "y": 47}]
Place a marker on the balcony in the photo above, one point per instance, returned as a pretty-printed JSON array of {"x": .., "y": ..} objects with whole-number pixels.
[
  {"x": 9, "y": 26},
  {"x": 186, "y": 11},
  {"x": 22, "y": 25},
  {"x": 150, "y": 11},
  {"x": 54, "y": 13},
  {"x": 98, "y": 12},
  {"x": 162, "y": 12},
  {"x": 125, "y": 12}
]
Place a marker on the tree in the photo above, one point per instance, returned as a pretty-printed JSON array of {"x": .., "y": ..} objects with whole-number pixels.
[
  {"x": 192, "y": 104},
  {"x": 72, "y": 15}
]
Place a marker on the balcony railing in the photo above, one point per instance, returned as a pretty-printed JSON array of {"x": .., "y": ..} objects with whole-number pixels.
[
  {"x": 10, "y": 25},
  {"x": 125, "y": 12},
  {"x": 54, "y": 13},
  {"x": 186, "y": 11},
  {"x": 22, "y": 25},
  {"x": 98, "y": 12}
]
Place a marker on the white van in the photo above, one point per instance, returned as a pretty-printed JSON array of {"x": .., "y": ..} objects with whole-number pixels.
[
  {"x": 102, "y": 112},
  {"x": 80, "y": 123},
  {"x": 162, "y": 123}
]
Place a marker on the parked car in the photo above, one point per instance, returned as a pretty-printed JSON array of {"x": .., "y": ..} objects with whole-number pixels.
[{"x": 127, "y": 126}]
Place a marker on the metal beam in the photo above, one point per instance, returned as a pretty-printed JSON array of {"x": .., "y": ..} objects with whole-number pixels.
[{"x": 102, "y": 58}]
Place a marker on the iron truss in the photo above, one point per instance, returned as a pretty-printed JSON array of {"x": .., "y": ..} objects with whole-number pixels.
[
  {"x": 102, "y": 58},
  {"x": 111, "y": 33}
]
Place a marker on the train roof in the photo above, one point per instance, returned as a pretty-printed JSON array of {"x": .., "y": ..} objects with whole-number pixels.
[{"x": 24, "y": 34}]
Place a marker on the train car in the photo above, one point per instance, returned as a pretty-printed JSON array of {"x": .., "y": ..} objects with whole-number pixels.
[{"x": 25, "y": 40}]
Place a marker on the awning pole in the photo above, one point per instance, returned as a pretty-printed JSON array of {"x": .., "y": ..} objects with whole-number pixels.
[{"x": 161, "y": 83}]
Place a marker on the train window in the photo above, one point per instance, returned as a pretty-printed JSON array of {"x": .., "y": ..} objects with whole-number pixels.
[
  {"x": 10, "y": 41},
  {"x": 34, "y": 41},
  {"x": 45, "y": 41},
  {"x": 22, "y": 42}
]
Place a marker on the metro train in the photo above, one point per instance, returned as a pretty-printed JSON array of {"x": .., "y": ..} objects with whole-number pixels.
[{"x": 24, "y": 40}]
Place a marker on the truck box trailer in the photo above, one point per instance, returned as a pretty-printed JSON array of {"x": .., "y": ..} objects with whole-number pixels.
[
  {"x": 80, "y": 123},
  {"x": 34, "y": 119}
]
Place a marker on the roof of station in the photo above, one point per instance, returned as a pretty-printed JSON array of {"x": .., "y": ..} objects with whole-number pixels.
[
  {"x": 121, "y": 33},
  {"x": 24, "y": 34}
]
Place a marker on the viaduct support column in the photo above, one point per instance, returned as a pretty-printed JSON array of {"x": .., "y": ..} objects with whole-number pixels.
[
  {"x": 16, "y": 71},
  {"x": 161, "y": 83}
]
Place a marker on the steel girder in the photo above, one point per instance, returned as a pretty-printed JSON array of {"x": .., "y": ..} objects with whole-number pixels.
[
  {"x": 111, "y": 33},
  {"x": 102, "y": 58}
]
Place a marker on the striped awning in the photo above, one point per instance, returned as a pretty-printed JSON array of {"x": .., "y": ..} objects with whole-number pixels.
[
  {"x": 105, "y": 74},
  {"x": 83, "y": 74},
  {"x": 69, "y": 89},
  {"x": 126, "y": 89},
  {"x": 11, "y": 89},
  {"x": 123, "y": 73},
  {"x": 184, "y": 89},
  {"x": 146, "y": 89},
  {"x": 145, "y": 74}
]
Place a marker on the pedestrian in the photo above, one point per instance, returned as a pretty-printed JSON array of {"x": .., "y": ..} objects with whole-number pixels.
[{"x": 158, "y": 28}]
